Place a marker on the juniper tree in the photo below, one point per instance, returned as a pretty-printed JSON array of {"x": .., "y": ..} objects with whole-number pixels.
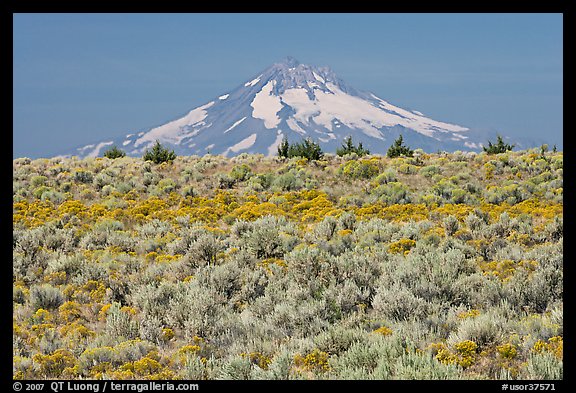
[
  {"x": 398, "y": 149},
  {"x": 306, "y": 149},
  {"x": 348, "y": 147},
  {"x": 499, "y": 147},
  {"x": 283, "y": 148},
  {"x": 114, "y": 152},
  {"x": 159, "y": 154}
]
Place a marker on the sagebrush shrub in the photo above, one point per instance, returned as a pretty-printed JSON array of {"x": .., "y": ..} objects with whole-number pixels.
[
  {"x": 45, "y": 297},
  {"x": 264, "y": 238},
  {"x": 483, "y": 330},
  {"x": 204, "y": 250},
  {"x": 119, "y": 323},
  {"x": 544, "y": 366},
  {"x": 398, "y": 303}
]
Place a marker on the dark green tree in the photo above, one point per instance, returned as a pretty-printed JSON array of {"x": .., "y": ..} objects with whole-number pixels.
[
  {"x": 499, "y": 147},
  {"x": 398, "y": 149},
  {"x": 306, "y": 149},
  {"x": 159, "y": 154},
  {"x": 114, "y": 152},
  {"x": 348, "y": 147},
  {"x": 283, "y": 148}
]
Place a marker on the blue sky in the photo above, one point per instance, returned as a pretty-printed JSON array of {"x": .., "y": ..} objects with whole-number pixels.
[{"x": 80, "y": 78}]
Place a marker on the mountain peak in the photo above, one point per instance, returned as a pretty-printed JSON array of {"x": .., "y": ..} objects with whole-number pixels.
[
  {"x": 290, "y": 74},
  {"x": 289, "y": 61}
]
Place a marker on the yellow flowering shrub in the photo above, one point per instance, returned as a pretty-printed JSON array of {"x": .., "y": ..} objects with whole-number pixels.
[
  {"x": 146, "y": 366},
  {"x": 258, "y": 359},
  {"x": 53, "y": 365},
  {"x": 473, "y": 313},
  {"x": 20, "y": 331},
  {"x": 95, "y": 290},
  {"x": 489, "y": 171},
  {"x": 123, "y": 373},
  {"x": 443, "y": 354},
  {"x": 313, "y": 361},
  {"x": 128, "y": 310},
  {"x": 148, "y": 207},
  {"x": 195, "y": 348},
  {"x": 71, "y": 372},
  {"x": 55, "y": 278},
  {"x": 401, "y": 246},
  {"x": 458, "y": 210},
  {"x": 188, "y": 349},
  {"x": 254, "y": 210},
  {"x": 167, "y": 334},
  {"x": 344, "y": 232},
  {"x": 383, "y": 330},
  {"x": 507, "y": 351},
  {"x": 40, "y": 328},
  {"x": 464, "y": 353},
  {"x": 103, "y": 313},
  {"x": 70, "y": 311},
  {"x": 315, "y": 210},
  {"x": 360, "y": 169},
  {"x": 554, "y": 345},
  {"x": 403, "y": 212},
  {"x": 519, "y": 238},
  {"x": 265, "y": 263},
  {"x": 76, "y": 331},
  {"x": 504, "y": 269},
  {"x": 42, "y": 316}
]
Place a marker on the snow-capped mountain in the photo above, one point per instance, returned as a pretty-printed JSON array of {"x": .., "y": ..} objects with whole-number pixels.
[{"x": 296, "y": 101}]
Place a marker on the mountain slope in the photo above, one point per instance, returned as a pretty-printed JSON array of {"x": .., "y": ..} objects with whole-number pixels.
[{"x": 294, "y": 100}]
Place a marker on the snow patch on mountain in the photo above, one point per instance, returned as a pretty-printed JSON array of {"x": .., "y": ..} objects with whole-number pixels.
[
  {"x": 96, "y": 151},
  {"x": 318, "y": 77},
  {"x": 299, "y": 101},
  {"x": 171, "y": 132},
  {"x": 82, "y": 149},
  {"x": 335, "y": 104},
  {"x": 242, "y": 145},
  {"x": 266, "y": 106},
  {"x": 252, "y": 82},
  {"x": 235, "y": 124},
  {"x": 419, "y": 123},
  {"x": 293, "y": 124}
]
